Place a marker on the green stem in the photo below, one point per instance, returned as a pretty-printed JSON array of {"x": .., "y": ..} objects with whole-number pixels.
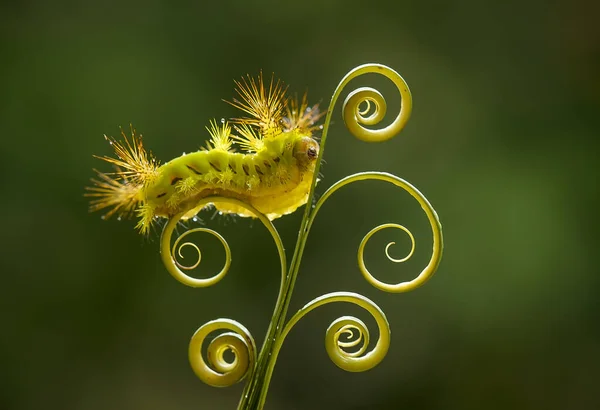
[{"x": 255, "y": 392}]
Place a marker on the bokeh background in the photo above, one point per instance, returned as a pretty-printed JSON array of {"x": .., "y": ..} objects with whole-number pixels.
[{"x": 503, "y": 141}]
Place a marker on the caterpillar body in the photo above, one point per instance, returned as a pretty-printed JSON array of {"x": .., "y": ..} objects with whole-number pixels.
[{"x": 272, "y": 172}]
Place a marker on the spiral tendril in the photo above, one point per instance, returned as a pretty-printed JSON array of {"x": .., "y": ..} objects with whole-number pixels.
[
  {"x": 366, "y": 109},
  {"x": 216, "y": 371},
  {"x": 389, "y": 245},
  {"x": 360, "y": 337},
  {"x": 350, "y": 326},
  {"x": 434, "y": 222},
  {"x": 354, "y": 117},
  {"x": 193, "y": 245},
  {"x": 176, "y": 268}
]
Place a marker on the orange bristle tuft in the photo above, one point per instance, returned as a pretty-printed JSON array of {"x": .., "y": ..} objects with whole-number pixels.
[
  {"x": 265, "y": 107},
  {"x": 133, "y": 161},
  {"x": 109, "y": 192},
  {"x": 300, "y": 116}
]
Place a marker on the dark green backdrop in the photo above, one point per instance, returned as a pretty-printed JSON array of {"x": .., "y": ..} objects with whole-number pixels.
[{"x": 503, "y": 141}]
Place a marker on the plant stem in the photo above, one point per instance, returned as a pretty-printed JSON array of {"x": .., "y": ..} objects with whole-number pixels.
[{"x": 255, "y": 392}]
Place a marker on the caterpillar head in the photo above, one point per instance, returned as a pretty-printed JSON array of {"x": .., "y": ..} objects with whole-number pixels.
[{"x": 306, "y": 152}]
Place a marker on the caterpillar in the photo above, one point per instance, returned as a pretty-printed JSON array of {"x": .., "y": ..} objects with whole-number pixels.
[{"x": 266, "y": 159}]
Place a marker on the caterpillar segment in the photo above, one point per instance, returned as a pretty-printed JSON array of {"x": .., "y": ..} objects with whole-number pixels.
[{"x": 272, "y": 171}]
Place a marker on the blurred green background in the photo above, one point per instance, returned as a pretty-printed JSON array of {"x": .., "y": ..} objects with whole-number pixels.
[{"x": 503, "y": 141}]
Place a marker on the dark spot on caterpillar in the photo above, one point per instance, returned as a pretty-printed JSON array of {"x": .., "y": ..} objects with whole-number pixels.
[
  {"x": 311, "y": 152},
  {"x": 161, "y": 195},
  {"x": 175, "y": 180},
  {"x": 215, "y": 167},
  {"x": 194, "y": 170},
  {"x": 245, "y": 168},
  {"x": 258, "y": 171},
  {"x": 267, "y": 164},
  {"x": 231, "y": 168},
  {"x": 276, "y": 160}
]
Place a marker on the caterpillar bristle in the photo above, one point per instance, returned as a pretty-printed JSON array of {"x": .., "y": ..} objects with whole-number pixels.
[
  {"x": 220, "y": 136},
  {"x": 299, "y": 115},
  {"x": 133, "y": 161},
  {"x": 248, "y": 140},
  {"x": 120, "y": 190},
  {"x": 146, "y": 215},
  {"x": 265, "y": 107},
  {"x": 108, "y": 192}
]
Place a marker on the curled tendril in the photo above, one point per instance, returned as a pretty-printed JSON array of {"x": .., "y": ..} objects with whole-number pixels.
[
  {"x": 361, "y": 260},
  {"x": 389, "y": 245},
  {"x": 193, "y": 245},
  {"x": 350, "y": 327},
  {"x": 188, "y": 280},
  {"x": 348, "y": 330},
  {"x": 367, "y": 108},
  {"x": 434, "y": 222},
  {"x": 176, "y": 268},
  {"x": 347, "y": 326},
  {"x": 355, "y": 117},
  {"x": 216, "y": 370}
]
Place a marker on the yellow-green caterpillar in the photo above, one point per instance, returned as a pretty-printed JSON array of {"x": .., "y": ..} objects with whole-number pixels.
[{"x": 273, "y": 172}]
